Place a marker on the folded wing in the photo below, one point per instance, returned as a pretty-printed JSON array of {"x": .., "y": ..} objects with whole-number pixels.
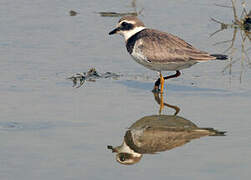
[{"x": 164, "y": 47}]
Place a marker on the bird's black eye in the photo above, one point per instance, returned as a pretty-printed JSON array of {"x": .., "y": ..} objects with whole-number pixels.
[
  {"x": 126, "y": 26},
  {"x": 122, "y": 158}
]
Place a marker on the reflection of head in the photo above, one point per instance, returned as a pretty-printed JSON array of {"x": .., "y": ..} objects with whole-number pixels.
[
  {"x": 125, "y": 155},
  {"x": 127, "y": 159}
]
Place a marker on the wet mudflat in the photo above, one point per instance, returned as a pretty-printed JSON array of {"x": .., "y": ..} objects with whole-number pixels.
[{"x": 50, "y": 130}]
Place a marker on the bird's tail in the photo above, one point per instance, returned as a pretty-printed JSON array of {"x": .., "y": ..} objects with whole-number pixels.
[{"x": 219, "y": 56}]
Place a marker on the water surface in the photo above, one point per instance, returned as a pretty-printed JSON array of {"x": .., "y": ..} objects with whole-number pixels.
[{"x": 50, "y": 130}]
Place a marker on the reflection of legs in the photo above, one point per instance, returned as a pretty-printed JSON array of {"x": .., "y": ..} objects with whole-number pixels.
[
  {"x": 161, "y": 103},
  {"x": 158, "y": 82},
  {"x": 159, "y": 100}
]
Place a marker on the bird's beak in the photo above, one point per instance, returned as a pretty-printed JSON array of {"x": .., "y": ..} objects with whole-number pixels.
[
  {"x": 114, "y": 31},
  {"x": 112, "y": 148}
]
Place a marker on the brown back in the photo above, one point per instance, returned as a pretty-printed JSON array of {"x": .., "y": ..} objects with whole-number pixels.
[{"x": 159, "y": 46}]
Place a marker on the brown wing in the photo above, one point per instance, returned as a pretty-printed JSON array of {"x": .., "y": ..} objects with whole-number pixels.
[
  {"x": 155, "y": 140},
  {"x": 163, "y": 47},
  {"x": 156, "y": 133}
]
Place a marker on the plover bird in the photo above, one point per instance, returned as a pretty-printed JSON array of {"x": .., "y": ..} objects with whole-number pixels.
[{"x": 159, "y": 51}]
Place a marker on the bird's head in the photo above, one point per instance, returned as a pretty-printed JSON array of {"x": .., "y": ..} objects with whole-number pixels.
[{"x": 128, "y": 26}]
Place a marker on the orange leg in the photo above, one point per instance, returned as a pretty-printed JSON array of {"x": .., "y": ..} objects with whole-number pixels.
[
  {"x": 161, "y": 103},
  {"x": 162, "y": 81}
]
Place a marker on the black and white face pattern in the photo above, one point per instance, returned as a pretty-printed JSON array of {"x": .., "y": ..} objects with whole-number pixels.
[
  {"x": 127, "y": 28},
  {"x": 127, "y": 158},
  {"x": 122, "y": 27}
]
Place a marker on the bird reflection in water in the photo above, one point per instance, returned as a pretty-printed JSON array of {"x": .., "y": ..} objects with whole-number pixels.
[{"x": 157, "y": 133}]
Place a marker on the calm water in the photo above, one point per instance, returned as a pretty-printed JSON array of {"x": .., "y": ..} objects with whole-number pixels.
[{"x": 49, "y": 130}]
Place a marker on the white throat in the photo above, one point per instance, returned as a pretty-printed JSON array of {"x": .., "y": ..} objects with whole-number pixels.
[
  {"x": 126, "y": 149},
  {"x": 128, "y": 34}
]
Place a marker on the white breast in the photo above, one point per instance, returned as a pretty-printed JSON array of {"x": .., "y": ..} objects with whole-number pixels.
[{"x": 138, "y": 55}]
